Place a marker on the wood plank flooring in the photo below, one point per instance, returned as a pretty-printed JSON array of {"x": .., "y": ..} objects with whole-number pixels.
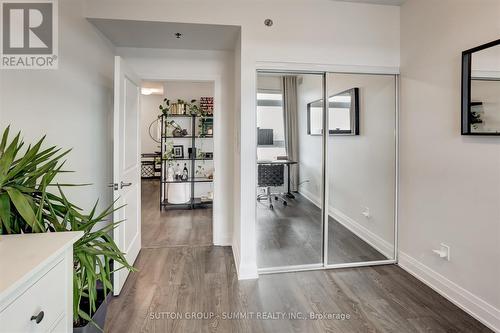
[
  {"x": 175, "y": 281},
  {"x": 293, "y": 235},
  {"x": 173, "y": 227}
]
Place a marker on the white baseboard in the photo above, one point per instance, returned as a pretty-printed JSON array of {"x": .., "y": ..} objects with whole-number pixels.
[
  {"x": 470, "y": 303},
  {"x": 245, "y": 272},
  {"x": 223, "y": 241},
  {"x": 375, "y": 241}
]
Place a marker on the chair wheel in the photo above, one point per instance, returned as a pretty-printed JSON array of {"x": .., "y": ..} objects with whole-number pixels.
[
  {"x": 285, "y": 203},
  {"x": 276, "y": 198},
  {"x": 271, "y": 207}
]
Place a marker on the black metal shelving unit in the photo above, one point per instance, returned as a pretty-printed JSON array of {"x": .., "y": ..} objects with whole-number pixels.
[{"x": 194, "y": 202}]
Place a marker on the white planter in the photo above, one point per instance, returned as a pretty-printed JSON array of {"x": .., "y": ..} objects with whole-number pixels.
[{"x": 179, "y": 193}]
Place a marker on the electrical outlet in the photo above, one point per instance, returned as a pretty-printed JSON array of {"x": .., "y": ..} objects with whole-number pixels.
[
  {"x": 366, "y": 212},
  {"x": 443, "y": 252}
]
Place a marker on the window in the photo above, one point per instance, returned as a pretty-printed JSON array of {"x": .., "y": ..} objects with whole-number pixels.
[{"x": 270, "y": 125}]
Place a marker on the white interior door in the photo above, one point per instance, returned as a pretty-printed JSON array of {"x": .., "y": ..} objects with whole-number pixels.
[{"x": 126, "y": 167}]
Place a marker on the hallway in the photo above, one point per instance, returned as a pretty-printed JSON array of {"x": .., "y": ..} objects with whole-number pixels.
[{"x": 180, "y": 274}]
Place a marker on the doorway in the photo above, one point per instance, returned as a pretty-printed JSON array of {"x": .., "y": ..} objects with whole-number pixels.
[
  {"x": 327, "y": 181},
  {"x": 177, "y": 162}
]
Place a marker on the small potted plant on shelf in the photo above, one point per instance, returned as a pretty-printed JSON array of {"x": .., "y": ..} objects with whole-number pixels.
[
  {"x": 32, "y": 202},
  {"x": 165, "y": 106}
]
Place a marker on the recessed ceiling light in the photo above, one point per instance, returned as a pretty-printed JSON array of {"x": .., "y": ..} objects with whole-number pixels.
[
  {"x": 178, "y": 35},
  {"x": 268, "y": 22}
]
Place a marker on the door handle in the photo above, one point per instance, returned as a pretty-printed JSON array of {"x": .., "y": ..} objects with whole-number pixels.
[{"x": 122, "y": 184}]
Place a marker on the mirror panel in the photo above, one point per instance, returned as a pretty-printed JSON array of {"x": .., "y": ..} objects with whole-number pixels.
[
  {"x": 361, "y": 173},
  {"x": 481, "y": 90},
  {"x": 289, "y": 172}
]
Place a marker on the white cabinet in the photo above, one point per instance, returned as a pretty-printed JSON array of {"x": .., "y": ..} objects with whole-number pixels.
[{"x": 36, "y": 286}]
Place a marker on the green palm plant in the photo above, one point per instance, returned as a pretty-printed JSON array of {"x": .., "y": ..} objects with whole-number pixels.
[{"x": 32, "y": 202}]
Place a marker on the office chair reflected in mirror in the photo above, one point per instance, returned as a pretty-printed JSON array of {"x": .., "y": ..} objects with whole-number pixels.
[{"x": 270, "y": 175}]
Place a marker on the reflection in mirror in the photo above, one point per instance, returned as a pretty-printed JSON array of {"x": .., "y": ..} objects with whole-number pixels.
[
  {"x": 343, "y": 118},
  {"x": 289, "y": 223},
  {"x": 481, "y": 90},
  {"x": 362, "y": 174}
]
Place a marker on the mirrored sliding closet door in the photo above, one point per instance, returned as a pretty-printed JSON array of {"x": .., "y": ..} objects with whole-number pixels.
[
  {"x": 361, "y": 168},
  {"x": 327, "y": 170},
  {"x": 289, "y": 170}
]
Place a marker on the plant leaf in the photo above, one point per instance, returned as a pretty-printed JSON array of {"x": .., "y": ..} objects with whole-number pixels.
[{"x": 23, "y": 207}]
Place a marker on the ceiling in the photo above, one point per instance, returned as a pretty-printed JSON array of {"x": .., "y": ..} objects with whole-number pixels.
[
  {"x": 379, "y": 2},
  {"x": 147, "y": 34}
]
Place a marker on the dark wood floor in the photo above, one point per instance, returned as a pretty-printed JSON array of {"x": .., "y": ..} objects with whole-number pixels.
[
  {"x": 292, "y": 235},
  {"x": 177, "y": 280},
  {"x": 173, "y": 227}
]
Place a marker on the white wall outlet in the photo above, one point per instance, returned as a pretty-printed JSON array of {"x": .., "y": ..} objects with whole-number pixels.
[
  {"x": 443, "y": 252},
  {"x": 366, "y": 212}
]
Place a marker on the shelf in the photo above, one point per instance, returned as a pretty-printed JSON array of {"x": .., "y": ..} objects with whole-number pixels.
[
  {"x": 187, "y": 159},
  {"x": 190, "y": 180},
  {"x": 189, "y": 137},
  {"x": 193, "y": 202},
  {"x": 186, "y": 116}
]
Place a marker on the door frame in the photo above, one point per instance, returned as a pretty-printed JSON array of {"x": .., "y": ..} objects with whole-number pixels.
[
  {"x": 324, "y": 70},
  {"x": 218, "y": 236}
]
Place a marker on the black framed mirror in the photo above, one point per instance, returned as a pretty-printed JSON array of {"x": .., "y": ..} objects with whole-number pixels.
[
  {"x": 481, "y": 90},
  {"x": 343, "y": 114}
]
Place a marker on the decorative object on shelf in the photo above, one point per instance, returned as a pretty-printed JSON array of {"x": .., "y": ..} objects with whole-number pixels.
[
  {"x": 170, "y": 173},
  {"x": 178, "y": 151},
  {"x": 200, "y": 171},
  {"x": 178, "y": 108},
  {"x": 208, "y": 154},
  {"x": 169, "y": 150},
  {"x": 205, "y": 198},
  {"x": 207, "y": 105},
  {"x": 206, "y": 126},
  {"x": 165, "y": 106},
  {"x": 192, "y": 152},
  {"x": 177, "y": 130},
  {"x": 27, "y": 206},
  {"x": 178, "y": 173},
  {"x": 193, "y": 108},
  {"x": 178, "y": 193},
  {"x": 185, "y": 173}
]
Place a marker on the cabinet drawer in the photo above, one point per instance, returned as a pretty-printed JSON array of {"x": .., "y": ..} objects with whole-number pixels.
[{"x": 48, "y": 294}]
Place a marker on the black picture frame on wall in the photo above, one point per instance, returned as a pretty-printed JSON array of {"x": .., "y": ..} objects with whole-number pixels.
[
  {"x": 353, "y": 113},
  {"x": 466, "y": 102}
]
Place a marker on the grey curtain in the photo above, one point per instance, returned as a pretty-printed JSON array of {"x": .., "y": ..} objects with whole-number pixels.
[{"x": 290, "y": 116}]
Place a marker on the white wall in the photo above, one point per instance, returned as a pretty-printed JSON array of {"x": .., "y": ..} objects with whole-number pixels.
[
  {"x": 72, "y": 105},
  {"x": 311, "y": 32},
  {"x": 450, "y": 184},
  {"x": 309, "y": 89},
  {"x": 149, "y": 113},
  {"x": 177, "y": 66}
]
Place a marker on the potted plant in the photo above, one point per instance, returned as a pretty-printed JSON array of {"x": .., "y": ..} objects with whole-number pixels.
[{"x": 31, "y": 201}]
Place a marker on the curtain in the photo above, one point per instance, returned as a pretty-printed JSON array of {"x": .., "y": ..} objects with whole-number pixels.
[{"x": 290, "y": 117}]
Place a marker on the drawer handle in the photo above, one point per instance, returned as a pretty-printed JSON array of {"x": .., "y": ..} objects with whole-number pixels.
[{"x": 38, "y": 318}]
